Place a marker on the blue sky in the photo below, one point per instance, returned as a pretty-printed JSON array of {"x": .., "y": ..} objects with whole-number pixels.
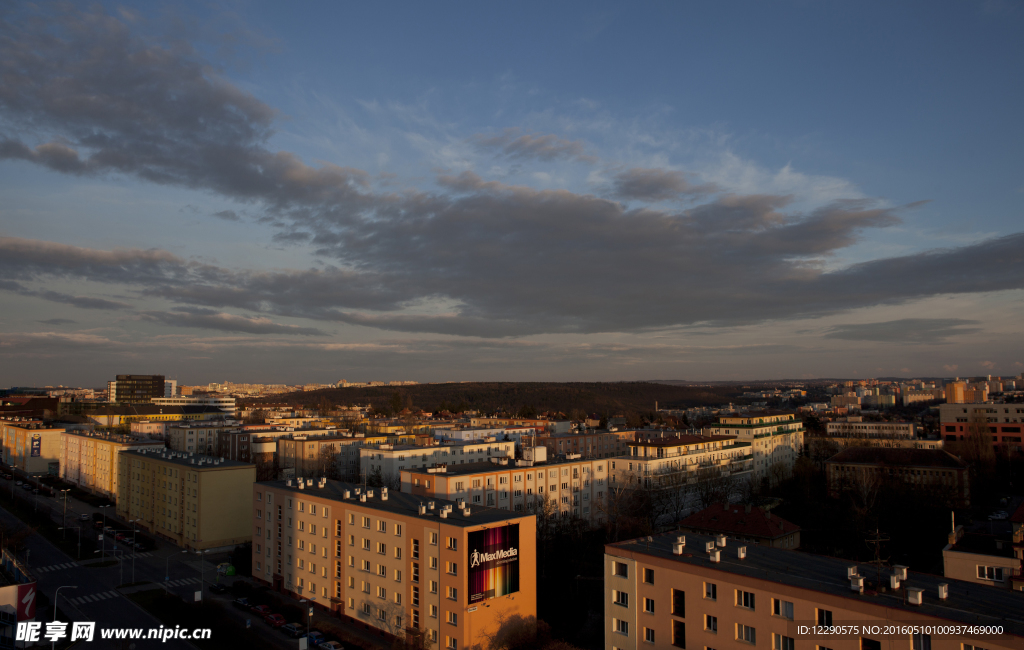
[{"x": 249, "y": 191}]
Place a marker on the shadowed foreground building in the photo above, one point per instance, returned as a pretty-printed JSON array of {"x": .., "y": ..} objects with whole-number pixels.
[
  {"x": 932, "y": 471},
  {"x": 662, "y": 594},
  {"x": 406, "y": 565}
]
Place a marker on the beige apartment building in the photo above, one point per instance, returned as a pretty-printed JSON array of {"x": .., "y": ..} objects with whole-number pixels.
[
  {"x": 856, "y": 427},
  {"x": 695, "y": 591},
  {"x": 389, "y": 460},
  {"x": 661, "y": 461},
  {"x": 776, "y": 439},
  {"x": 407, "y": 566},
  {"x": 197, "y": 502},
  {"x": 198, "y": 437},
  {"x": 89, "y": 459},
  {"x": 986, "y": 559},
  {"x": 31, "y": 446},
  {"x": 305, "y": 454}
]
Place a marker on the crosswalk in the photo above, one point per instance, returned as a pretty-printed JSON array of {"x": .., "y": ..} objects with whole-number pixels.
[
  {"x": 92, "y": 598},
  {"x": 181, "y": 582},
  {"x": 69, "y": 565}
]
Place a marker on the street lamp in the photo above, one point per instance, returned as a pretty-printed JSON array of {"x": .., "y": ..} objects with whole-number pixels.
[
  {"x": 79, "y": 539},
  {"x": 64, "y": 517},
  {"x": 55, "y": 596},
  {"x": 132, "y": 522},
  {"x": 309, "y": 615},
  {"x": 202, "y": 571},
  {"x": 103, "y": 532},
  {"x": 167, "y": 565}
]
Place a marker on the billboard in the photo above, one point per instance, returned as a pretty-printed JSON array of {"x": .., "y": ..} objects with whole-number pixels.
[
  {"x": 493, "y": 556},
  {"x": 37, "y": 445}
]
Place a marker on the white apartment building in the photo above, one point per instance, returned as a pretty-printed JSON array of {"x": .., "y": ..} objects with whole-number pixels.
[
  {"x": 855, "y": 427},
  {"x": 390, "y": 460},
  {"x": 776, "y": 438},
  {"x": 470, "y": 434},
  {"x": 575, "y": 487},
  {"x": 649, "y": 461},
  {"x": 219, "y": 401}
]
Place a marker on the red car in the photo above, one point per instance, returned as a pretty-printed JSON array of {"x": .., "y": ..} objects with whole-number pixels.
[
  {"x": 262, "y": 610},
  {"x": 275, "y": 620}
]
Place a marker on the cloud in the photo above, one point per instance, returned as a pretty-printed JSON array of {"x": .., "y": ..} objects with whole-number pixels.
[
  {"x": 529, "y": 146},
  {"x": 58, "y": 321},
  {"x": 209, "y": 319},
  {"x": 950, "y": 367},
  {"x": 907, "y": 330},
  {"x": 227, "y": 215},
  {"x": 83, "y": 302},
  {"x": 655, "y": 185}
]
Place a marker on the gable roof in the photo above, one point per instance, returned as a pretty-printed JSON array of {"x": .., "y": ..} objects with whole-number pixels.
[{"x": 734, "y": 519}]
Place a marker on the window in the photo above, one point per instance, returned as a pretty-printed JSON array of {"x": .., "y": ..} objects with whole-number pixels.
[
  {"x": 784, "y": 608},
  {"x": 382, "y": 592},
  {"x": 433, "y": 563},
  {"x": 965, "y": 646},
  {"x": 366, "y": 522},
  {"x": 452, "y": 544},
  {"x": 382, "y": 526},
  {"x": 744, "y": 599},
  {"x": 711, "y": 623},
  {"x": 648, "y": 635},
  {"x": 922, "y": 642},
  {"x": 990, "y": 573},
  {"x": 398, "y": 530},
  {"x": 780, "y": 642},
  {"x": 620, "y": 569},
  {"x": 452, "y": 644},
  {"x": 398, "y": 552},
  {"x": 453, "y": 593},
  {"x": 622, "y": 627},
  {"x": 649, "y": 576},
  {"x": 433, "y": 611},
  {"x": 433, "y": 539},
  {"x": 748, "y": 634},
  {"x": 649, "y": 605},
  {"x": 823, "y": 616},
  {"x": 453, "y": 618},
  {"x": 620, "y": 598},
  {"x": 415, "y": 549},
  {"x": 710, "y": 591},
  {"x": 679, "y": 634},
  {"x": 382, "y": 548},
  {"x": 433, "y": 586},
  {"x": 452, "y": 568},
  {"x": 678, "y": 603}
]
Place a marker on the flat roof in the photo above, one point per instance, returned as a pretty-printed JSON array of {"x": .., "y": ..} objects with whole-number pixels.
[
  {"x": 982, "y": 544},
  {"x": 186, "y": 459},
  {"x": 678, "y": 441},
  {"x": 968, "y": 602},
  {"x": 398, "y": 503},
  {"x": 894, "y": 456},
  {"x": 485, "y": 467}
]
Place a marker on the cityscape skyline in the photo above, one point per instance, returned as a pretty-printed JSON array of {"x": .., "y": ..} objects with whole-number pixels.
[{"x": 698, "y": 193}]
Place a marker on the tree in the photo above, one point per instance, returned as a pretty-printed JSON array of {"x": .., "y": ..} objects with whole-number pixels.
[
  {"x": 257, "y": 416},
  {"x": 711, "y": 486},
  {"x": 327, "y": 462},
  {"x": 267, "y": 467}
]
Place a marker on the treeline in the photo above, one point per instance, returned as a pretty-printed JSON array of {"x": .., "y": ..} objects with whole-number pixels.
[{"x": 526, "y": 399}]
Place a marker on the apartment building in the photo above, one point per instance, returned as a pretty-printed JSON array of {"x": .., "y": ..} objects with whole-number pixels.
[
  {"x": 575, "y": 487},
  {"x": 308, "y": 454},
  {"x": 856, "y": 427},
  {"x": 932, "y": 470},
  {"x": 776, "y": 438},
  {"x": 1003, "y": 421},
  {"x": 389, "y": 460},
  {"x": 407, "y": 566},
  {"x": 677, "y": 460},
  {"x": 31, "y": 446},
  {"x": 697, "y": 591},
  {"x": 135, "y": 389},
  {"x": 224, "y": 402},
  {"x": 552, "y": 426},
  {"x": 594, "y": 444},
  {"x": 987, "y": 559},
  {"x": 89, "y": 459},
  {"x": 196, "y": 501},
  {"x": 198, "y": 437}
]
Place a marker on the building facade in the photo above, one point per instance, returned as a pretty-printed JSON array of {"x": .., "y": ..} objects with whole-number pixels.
[
  {"x": 697, "y": 592},
  {"x": 136, "y": 389},
  {"x": 31, "y": 446},
  {"x": 984, "y": 559},
  {"x": 228, "y": 404},
  {"x": 389, "y": 460},
  {"x": 406, "y": 566},
  {"x": 594, "y": 444},
  {"x": 1003, "y": 422},
  {"x": 855, "y": 427},
  {"x": 930, "y": 470},
  {"x": 198, "y": 502},
  {"x": 776, "y": 439},
  {"x": 89, "y": 459}
]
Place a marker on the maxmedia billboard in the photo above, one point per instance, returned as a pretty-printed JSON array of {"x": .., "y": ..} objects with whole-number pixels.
[{"x": 493, "y": 562}]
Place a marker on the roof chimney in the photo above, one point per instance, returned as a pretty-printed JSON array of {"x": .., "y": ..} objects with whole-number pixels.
[
  {"x": 741, "y": 552},
  {"x": 943, "y": 591},
  {"x": 915, "y": 595}
]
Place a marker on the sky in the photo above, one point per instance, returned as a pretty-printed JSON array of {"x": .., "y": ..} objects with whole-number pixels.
[{"x": 574, "y": 191}]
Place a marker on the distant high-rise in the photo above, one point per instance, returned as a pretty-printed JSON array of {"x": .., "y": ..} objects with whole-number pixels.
[{"x": 137, "y": 389}]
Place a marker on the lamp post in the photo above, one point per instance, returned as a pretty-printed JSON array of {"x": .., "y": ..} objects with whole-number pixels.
[
  {"x": 103, "y": 532},
  {"x": 202, "y": 572},
  {"x": 79, "y": 539},
  {"x": 55, "y": 596},
  {"x": 309, "y": 615},
  {"x": 64, "y": 517},
  {"x": 132, "y": 522},
  {"x": 167, "y": 566}
]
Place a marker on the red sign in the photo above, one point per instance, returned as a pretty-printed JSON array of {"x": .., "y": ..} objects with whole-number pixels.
[{"x": 27, "y": 601}]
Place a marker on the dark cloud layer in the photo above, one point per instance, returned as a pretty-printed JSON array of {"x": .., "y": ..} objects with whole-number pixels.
[
  {"x": 213, "y": 320},
  {"x": 906, "y": 330},
  {"x": 476, "y": 257}
]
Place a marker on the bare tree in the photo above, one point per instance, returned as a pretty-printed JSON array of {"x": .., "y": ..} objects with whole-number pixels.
[
  {"x": 327, "y": 462},
  {"x": 712, "y": 486}
]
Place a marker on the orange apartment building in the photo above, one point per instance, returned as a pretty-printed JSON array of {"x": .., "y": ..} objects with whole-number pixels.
[
  {"x": 594, "y": 444},
  {"x": 408, "y": 566},
  {"x": 697, "y": 592}
]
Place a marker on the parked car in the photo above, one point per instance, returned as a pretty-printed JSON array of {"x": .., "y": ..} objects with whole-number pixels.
[
  {"x": 119, "y": 537},
  {"x": 17, "y": 482},
  {"x": 218, "y": 588},
  {"x": 97, "y": 525},
  {"x": 331, "y": 645},
  {"x": 998, "y": 515},
  {"x": 26, "y": 486},
  {"x": 84, "y": 517},
  {"x": 274, "y": 620},
  {"x": 315, "y": 638},
  {"x": 262, "y": 610},
  {"x": 294, "y": 630},
  {"x": 242, "y": 603}
]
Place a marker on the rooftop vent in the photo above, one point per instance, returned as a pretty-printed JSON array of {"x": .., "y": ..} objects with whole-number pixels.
[
  {"x": 288, "y": 482},
  {"x": 423, "y": 509},
  {"x": 302, "y": 484},
  {"x": 851, "y": 571},
  {"x": 915, "y": 595},
  {"x": 857, "y": 584},
  {"x": 465, "y": 512},
  {"x": 900, "y": 570},
  {"x": 348, "y": 494},
  {"x": 709, "y": 546},
  {"x": 677, "y": 548},
  {"x": 715, "y": 556},
  {"x": 741, "y": 552},
  {"x": 681, "y": 539},
  {"x": 430, "y": 504},
  {"x": 894, "y": 581},
  {"x": 943, "y": 591},
  {"x": 362, "y": 497}
]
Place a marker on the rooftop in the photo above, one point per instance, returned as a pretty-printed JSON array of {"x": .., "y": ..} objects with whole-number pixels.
[
  {"x": 967, "y": 602},
  {"x": 114, "y": 437},
  {"x": 981, "y": 544},
  {"x": 898, "y": 456},
  {"x": 192, "y": 461},
  {"x": 485, "y": 467},
  {"x": 736, "y": 519},
  {"x": 678, "y": 441},
  {"x": 397, "y": 502}
]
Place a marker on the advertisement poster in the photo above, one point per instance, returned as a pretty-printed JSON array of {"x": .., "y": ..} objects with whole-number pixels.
[
  {"x": 26, "y": 602},
  {"x": 493, "y": 562},
  {"x": 37, "y": 445}
]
